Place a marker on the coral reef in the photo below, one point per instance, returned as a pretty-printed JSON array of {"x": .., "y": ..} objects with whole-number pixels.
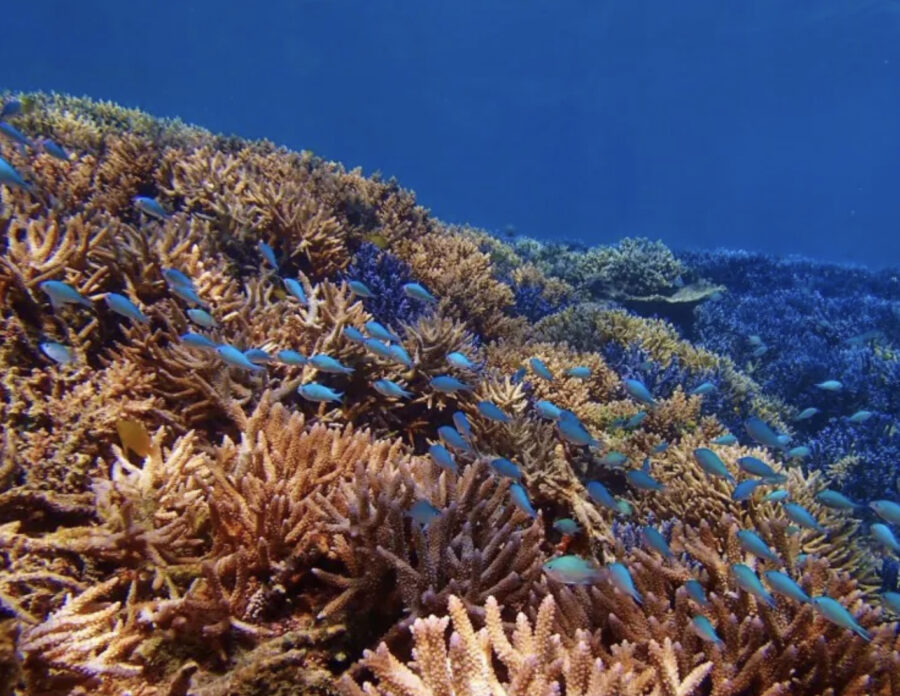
[{"x": 268, "y": 427}]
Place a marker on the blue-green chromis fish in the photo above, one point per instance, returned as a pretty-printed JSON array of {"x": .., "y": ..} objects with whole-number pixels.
[
  {"x": 325, "y": 363},
  {"x": 376, "y": 330},
  {"x": 861, "y": 416},
  {"x": 807, "y": 413},
  {"x": 202, "y": 318},
  {"x": 776, "y": 496},
  {"x": 295, "y": 289},
  {"x": 572, "y": 430},
  {"x": 641, "y": 480},
  {"x": 837, "y": 614},
  {"x": 613, "y": 459},
  {"x": 448, "y": 385},
  {"x": 703, "y": 628},
  {"x": 186, "y": 293},
  {"x": 835, "y": 500},
  {"x": 195, "y": 340},
  {"x": 638, "y": 391},
  {"x": 441, "y": 456},
  {"x": 885, "y": 536},
  {"x": 390, "y": 389},
  {"x": 802, "y": 517},
  {"x": 599, "y": 494},
  {"x": 572, "y": 570},
  {"x": 696, "y": 592},
  {"x": 460, "y": 361},
  {"x": 566, "y": 526},
  {"x": 257, "y": 356},
  {"x": 892, "y": 601},
  {"x": 520, "y": 499},
  {"x": 10, "y": 131},
  {"x": 423, "y": 513},
  {"x": 760, "y": 431},
  {"x": 704, "y": 388},
  {"x": 579, "y": 372},
  {"x": 360, "y": 289},
  {"x": 657, "y": 541},
  {"x": 752, "y": 543},
  {"x": 313, "y": 391},
  {"x": 622, "y": 581},
  {"x": 624, "y": 507},
  {"x": 784, "y": 585},
  {"x": 11, "y": 107},
  {"x": 417, "y": 292},
  {"x": 744, "y": 490},
  {"x": 830, "y": 385},
  {"x": 727, "y": 439},
  {"x": 800, "y": 452},
  {"x": 268, "y": 253},
  {"x": 887, "y": 510},
  {"x": 453, "y": 439},
  {"x": 540, "y": 369},
  {"x": 150, "y": 206},
  {"x": 290, "y": 357},
  {"x": 462, "y": 425},
  {"x": 173, "y": 276},
  {"x": 10, "y": 177},
  {"x": 710, "y": 462},
  {"x": 661, "y": 447},
  {"x": 399, "y": 355},
  {"x": 492, "y": 412},
  {"x": 756, "y": 467},
  {"x": 236, "y": 358},
  {"x": 547, "y": 410},
  {"x": 504, "y": 467},
  {"x": 62, "y": 293},
  {"x": 52, "y": 149},
  {"x": 747, "y": 581},
  {"x": 123, "y": 306},
  {"x": 379, "y": 348},
  {"x": 353, "y": 334},
  {"x": 57, "y": 352},
  {"x": 635, "y": 420}
]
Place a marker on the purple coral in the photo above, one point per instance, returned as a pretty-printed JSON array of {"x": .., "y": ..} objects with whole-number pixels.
[{"x": 385, "y": 275}]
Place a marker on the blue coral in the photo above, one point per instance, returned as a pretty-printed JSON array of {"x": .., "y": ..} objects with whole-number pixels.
[{"x": 384, "y": 274}]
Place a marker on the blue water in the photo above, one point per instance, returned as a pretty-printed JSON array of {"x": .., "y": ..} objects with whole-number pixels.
[{"x": 764, "y": 127}]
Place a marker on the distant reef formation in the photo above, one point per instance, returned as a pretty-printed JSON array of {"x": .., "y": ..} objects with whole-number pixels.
[{"x": 268, "y": 427}]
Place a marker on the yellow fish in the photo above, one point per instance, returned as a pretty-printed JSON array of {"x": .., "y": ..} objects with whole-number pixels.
[{"x": 134, "y": 437}]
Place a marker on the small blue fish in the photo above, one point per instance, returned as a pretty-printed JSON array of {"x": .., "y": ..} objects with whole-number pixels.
[
  {"x": 800, "y": 452},
  {"x": 624, "y": 507},
  {"x": 752, "y": 543},
  {"x": 125, "y": 307},
  {"x": 892, "y": 601},
  {"x": 57, "y": 352},
  {"x": 506, "y": 468},
  {"x": 807, "y": 413},
  {"x": 540, "y": 369},
  {"x": 835, "y": 500},
  {"x": 802, "y": 517},
  {"x": 202, "y": 318},
  {"x": 566, "y": 526},
  {"x": 353, "y": 334},
  {"x": 54, "y": 150},
  {"x": 520, "y": 499},
  {"x": 12, "y": 107},
  {"x": 195, "y": 340},
  {"x": 638, "y": 391},
  {"x": 186, "y": 293},
  {"x": 747, "y": 581},
  {"x": 885, "y": 536},
  {"x": 727, "y": 439},
  {"x": 704, "y": 388},
  {"x": 10, "y": 131},
  {"x": 635, "y": 420},
  {"x": 704, "y": 629},
  {"x": 448, "y": 385},
  {"x": 710, "y": 462},
  {"x": 417, "y": 292},
  {"x": 579, "y": 372},
  {"x": 762, "y": 433},
  {"x": 257, "y": 356},
  {"x": 657, "y": 541},
  {"x": 441, "y": 456},
  {"x": 377, "y": 331},
  {"x": 599, "y": 494},
  {"x": 837, "y": 614},
  {"x": 518, "y": 375},
  {"x": 62, "y": 293},
  {"x": 382, "y": 350},
  {"x": 313, "y": 391},
  {"x": 547, "y": 410},
  {"x": 661, "y": 447},
  {"x": 831, "y": 385},
  {"x": 642, "y": 480},
  {"x": 462, "y": 425},
  {"x": 572, "y": 430},
  {"x": 887, "y": 510},
  {"x": 296, "y": 289},
  {"x": 759, "y": 351},
  {"x": 10, "y": 177},
  {"x": 613, "y": 459},
  {"x": 150, "y": 206},
  {"x": 423, "y": 513},
  {"x": 861, "y": 416},
  {"x": 460, "y": 361},
  {"x": 696, "y": 592},
  {"x": 622, "y": 581},
  {"x": 491, "y": 411},
  {"x": 325, "y": 363},
  {"x": 572, "y": 570},
  {"x": 399, "y": 354},
  {"x": 744, "y": 490},
  {"x": 756, "y": 467},
  {"x": 175, "y": 277},
  {"x": 236, "y": 358},
  {"x": 453, "y": 439},
  {"x": 360, "y": 289},
  {"x": 784, "y": 585},
  {"x": 390, "y": 389},
  {"x": 290, "y": 357},
  {"x": 776, "y": 496},
  {"x": 268, "y": 253}
]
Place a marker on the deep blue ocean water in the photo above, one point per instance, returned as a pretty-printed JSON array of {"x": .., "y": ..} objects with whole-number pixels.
[{"x": 746, "y": 125}]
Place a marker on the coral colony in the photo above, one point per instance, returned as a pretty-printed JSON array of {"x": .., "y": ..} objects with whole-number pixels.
[{"x": 269, "y": 427}]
